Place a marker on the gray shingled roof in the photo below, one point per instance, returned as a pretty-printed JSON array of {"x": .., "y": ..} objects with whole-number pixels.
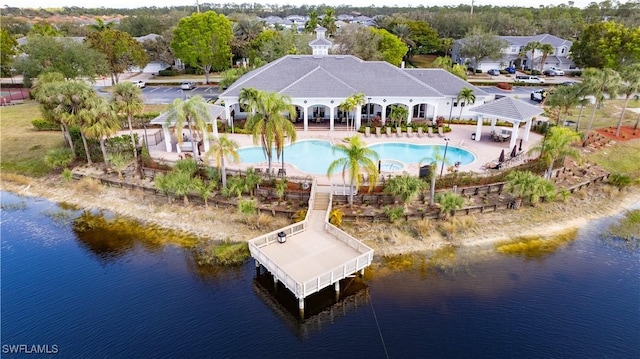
[
  {"x": 214, "y": 110},
  {"x": 333, "y": 75},
  {"x": 443, "y": 81},
  {"x": 508, "y": 108},
  {"x": 543, "y": 38},
  {"x": 320, "y": 41}
]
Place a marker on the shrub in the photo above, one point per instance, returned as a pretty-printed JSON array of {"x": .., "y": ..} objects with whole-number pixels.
[
  {"x": 58, "y": 158},
  {"x": 67, "y": 176},
  {"x": 226, "y": 254},
  {"x": 44, "y": 125},
  {"x": 619, "y": 180},
  {"x": 504, "y": 86},
  {"x": 335, "y": 217},
  {"x": 247, "y": 207},
  {"x": 167, "y": 73},
  {"x": 394, "y": 213},
  {"x": 299, "y": 215}
]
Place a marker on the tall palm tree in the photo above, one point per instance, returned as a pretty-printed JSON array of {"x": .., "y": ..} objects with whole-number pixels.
[
  {"x": 404, "y": 33},
  {"x": 194, "y": 113},
  {"x": 312, "y": 23},
  {"x": 532, "y": 46},
  {"x": 599, "y": 83},
  {"x": 222, "y": 148},
  {"x": 351, "y": 103},
  {"x": 557, "y": 144},
  {"x": 546, "y": 50},
  {"x": 581, "y": 92},
  {"x": 357, "y": 157},
  {"x": 465, "y": 96},
  {"x": 565, "y": 98},
  {"x": 126, "y": 98},
  {"x": 102, "y": 123},
  {"x": 329, "y": 21},
  {"x": 630, "y": 85},
  {"x": 398, "y": 114},
  {"x": 269, "y": 124}
]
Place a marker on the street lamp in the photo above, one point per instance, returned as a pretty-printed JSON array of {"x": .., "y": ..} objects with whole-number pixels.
[
  {"x": 146, "y": 139},
  {"x": 445, "y": 155}
]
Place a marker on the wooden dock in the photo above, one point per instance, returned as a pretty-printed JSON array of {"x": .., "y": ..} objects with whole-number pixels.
[{"x": 315, "y": 253}]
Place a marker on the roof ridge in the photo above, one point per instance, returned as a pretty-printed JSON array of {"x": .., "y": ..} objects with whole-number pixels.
[
  {"x": 406, "y": 74},
  {"x": 255, "y": 72},
  {"x": 318, "y": 68},
  {"x": 300, "y": 79}
]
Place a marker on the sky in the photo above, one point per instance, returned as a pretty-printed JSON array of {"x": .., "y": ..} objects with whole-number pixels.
[{"x": 378, "y": 3}]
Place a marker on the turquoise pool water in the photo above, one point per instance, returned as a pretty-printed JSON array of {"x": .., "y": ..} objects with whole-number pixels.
[{"x": 315, "y": 156}]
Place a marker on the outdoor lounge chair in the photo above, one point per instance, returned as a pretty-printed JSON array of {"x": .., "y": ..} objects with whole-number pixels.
[
  {"x": 440, "y": 132},
  {"x": 367, "y": 132},
  {"x": 430, "y": 130},
  {"x": 388, "y": 131},
  {"x": 399, "y": 131},
  {"x": 377, "y": 131},
  {"x": 409, "y": 132},
  {"x": 420, "y": 133}
]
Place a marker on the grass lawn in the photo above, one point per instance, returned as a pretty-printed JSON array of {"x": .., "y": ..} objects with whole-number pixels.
[
  {"x": 623, "y": 157},
  {"x": 606, "y": 116},
  {"x": 22, "y": 148}
]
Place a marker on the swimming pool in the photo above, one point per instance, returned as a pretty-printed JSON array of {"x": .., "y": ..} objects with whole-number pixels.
[{"x": 315, "y": 156}]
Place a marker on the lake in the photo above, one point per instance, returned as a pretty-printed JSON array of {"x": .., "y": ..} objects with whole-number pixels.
[{"x": 108, "y": 297}]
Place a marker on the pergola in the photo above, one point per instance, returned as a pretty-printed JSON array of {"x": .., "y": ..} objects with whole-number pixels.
[
  {"x": 214, "y": 110},
  {"x": 508, "y": 109}
]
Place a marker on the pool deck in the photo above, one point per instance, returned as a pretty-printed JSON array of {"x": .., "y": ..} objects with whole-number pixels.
[{"x": 485, "y": 150}]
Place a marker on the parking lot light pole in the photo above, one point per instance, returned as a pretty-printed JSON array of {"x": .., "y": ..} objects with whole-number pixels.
[{"x": 444, "y": 157}]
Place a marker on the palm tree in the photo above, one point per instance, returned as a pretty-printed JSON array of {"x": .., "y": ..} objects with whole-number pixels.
[
  {"x": 406, "y": 186},
  {"x": 449, "y": 202},
  {"x": 546, "y": 50},
  {"x": 220, "y": 149},
  {"x": 328, "y": 21},
  {"x": 312, "y": 23},
  {"x": 520, "y": 184},
  {"x": 398, "y": 114},
  {"x": 557, "y": 144},
  {"x": 127, "y": 100},
  {"x": 465, "y": 96},
  {"x": 564, "y": 97},
  {"x": 103, "y": 122},
  {"x": 433, "y": 163},
  {"x": 351, "y": 103},
  {"x": 269, "y": 125},
  {"x": 404, "y": 33},
  {"x": 532, "y": 46},
  {"x": 581, "y": 92},
  {"x": 357, "y": 157},
  {"x": 192, "y": 112},
  {"x": 599, "y": 83},
  {"x": 630, "y": 85}
]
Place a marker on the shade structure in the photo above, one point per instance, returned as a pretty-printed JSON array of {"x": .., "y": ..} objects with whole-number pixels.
[
  {"x": 514, "y": 151},
  {"x": 501, "y": 158}
]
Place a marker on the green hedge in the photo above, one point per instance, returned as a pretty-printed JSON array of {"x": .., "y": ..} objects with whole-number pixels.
[
  {"x": 44, "y": 125},
  {"x": 167, "y": 73}
]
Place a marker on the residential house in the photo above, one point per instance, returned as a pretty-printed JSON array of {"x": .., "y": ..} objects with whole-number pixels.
[{"x": 514, "y": 51}]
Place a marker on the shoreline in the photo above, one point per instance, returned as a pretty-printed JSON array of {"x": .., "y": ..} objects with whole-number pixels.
[{"x": 544, "y": 220}]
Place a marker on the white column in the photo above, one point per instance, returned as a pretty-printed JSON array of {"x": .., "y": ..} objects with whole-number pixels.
[
  {"x": 358, "y": 117},
  {"x": 214, "y": 126},
  {"x": 301, "y": 306},
  {"x": 205, "y": 140},
  {"x": 409, "y": 113},
  {"x": 331, "y": 117},
  {"x": 479, "y": 128},
  {"x": 493, "y": 124},
  {"x": 305, "y": 118},
  {"x": 167, "y": 137},
  {"x": 514, "y": 136},
  {"x": 227, "y": 114},
  {"x": 383, "y": 114},
  {"x": 527, "y": 130},
  {"x": 435, "y": 111},
  {"x": 336, "y": 286}
]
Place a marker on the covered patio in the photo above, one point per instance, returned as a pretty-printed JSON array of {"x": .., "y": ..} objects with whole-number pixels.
[
  {"x": 510, "y": 110},
  {"x": 171, "y": 141}
]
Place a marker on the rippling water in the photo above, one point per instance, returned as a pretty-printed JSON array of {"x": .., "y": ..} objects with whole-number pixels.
[{"x": 148, "y": 301}]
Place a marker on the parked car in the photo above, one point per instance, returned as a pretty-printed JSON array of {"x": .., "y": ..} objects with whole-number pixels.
[
  {"x": 139, "y": 83},
  {"x": 188, "y": 85},
  {"x": 553, "y": 71},
  {"x": 568, "y": 83},
  {"x": 529, "y": 79},
  {"x": 539, "y": 95},
  {"x": 511, "y": 70},
  {"x": 494, "y": 72}
]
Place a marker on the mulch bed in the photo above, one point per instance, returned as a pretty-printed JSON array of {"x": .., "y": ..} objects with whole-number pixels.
[{"x": 626, "y": 133}]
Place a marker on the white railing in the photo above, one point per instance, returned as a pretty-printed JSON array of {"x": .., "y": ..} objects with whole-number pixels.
[{"x": 301, "y": 290}]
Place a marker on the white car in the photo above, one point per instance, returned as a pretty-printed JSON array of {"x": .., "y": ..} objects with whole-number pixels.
[
  {"x": 188, "y": 85},
  {"x": 139, "y": 83},
  {"x": 529, "y": 79},
  {"x": 553, "y": 71}
]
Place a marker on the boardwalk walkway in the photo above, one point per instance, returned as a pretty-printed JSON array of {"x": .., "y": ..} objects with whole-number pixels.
[{"x": 315, "y": 254}]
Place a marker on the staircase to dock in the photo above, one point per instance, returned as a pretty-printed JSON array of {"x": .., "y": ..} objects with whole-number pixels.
[{"x": 321, "y": 201}]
